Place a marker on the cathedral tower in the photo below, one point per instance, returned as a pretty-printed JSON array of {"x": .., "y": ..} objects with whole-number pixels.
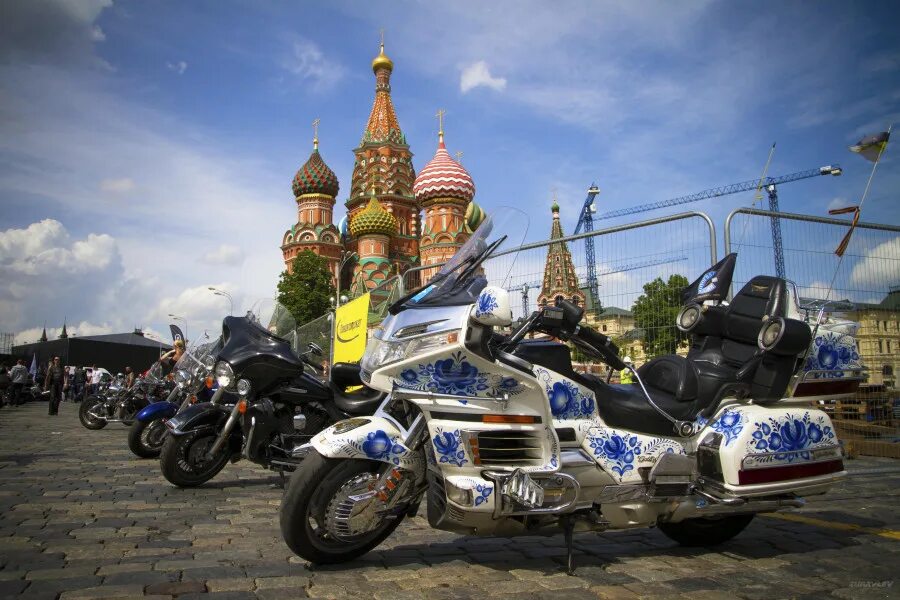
[
  {"x": 315, "y": 187},
  {"x": 444, "y": 190},
  {"x": 560, "y": 278},
  {"x": 383, "y": 167}
]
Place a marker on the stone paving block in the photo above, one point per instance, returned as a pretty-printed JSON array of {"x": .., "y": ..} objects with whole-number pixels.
[
  {"x": 110, "y": 591},
  {"x": 174, "y": 588}
]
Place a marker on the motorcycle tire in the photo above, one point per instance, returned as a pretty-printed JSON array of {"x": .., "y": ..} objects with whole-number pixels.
[
  {"x": 86, "y": 419},
  {"x": 144, "y": 438},
  {"x": 181, "y": 458},
  {"x": 311, "y": 487},
  {"x": 705, "y": 531}
]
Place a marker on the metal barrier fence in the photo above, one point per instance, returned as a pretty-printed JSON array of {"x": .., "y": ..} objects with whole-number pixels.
[{"x": 866, "y": 291}]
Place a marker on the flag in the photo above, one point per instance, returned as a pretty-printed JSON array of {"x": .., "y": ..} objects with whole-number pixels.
[
  {"x": 871, "y": 147},
  {"x": 176, "y": 333},
  {"x": 842, "y": 247},
  {"x": 33, "y": 369}
]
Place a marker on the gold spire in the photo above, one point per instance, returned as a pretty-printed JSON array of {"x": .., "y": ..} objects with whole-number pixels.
[
  {"x": 382, "y": 61},
  {"x": 316, "y": 134},
  {"x": 440, "y": 116}
]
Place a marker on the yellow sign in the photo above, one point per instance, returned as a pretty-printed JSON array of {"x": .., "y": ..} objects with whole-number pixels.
[{"x": 350, "y": 323}]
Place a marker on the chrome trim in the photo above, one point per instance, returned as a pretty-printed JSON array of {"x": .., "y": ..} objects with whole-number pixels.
[
  {"x": 575, "y": 458},
  {"x": 499, "y": 478},
  {"x": 301, "y": 451},
  {"x": 825, "y": 454},
  {"x": 414, "y": 394}
]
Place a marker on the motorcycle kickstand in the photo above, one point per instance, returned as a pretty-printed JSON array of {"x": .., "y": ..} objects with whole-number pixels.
[
  {"x": 568, "y": 528},
  {"x": 282, "y": 478}
]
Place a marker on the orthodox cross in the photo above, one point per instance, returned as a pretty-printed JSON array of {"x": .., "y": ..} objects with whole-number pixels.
[
  {"x": 316, "y": 134},
  {"x": 459, "y": 156},
  {"x": 440, "y": 116}
]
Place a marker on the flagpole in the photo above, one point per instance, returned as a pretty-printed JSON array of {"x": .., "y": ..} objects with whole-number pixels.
[{"x": 858, "y": 212}]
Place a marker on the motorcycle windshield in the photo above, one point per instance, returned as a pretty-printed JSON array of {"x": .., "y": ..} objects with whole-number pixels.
[
  {"x": 155, "y": 374},
  {"x": 460, "y": 279},
  {"x": 197, "y": 361},
  {"x": 274, "y": 318}
]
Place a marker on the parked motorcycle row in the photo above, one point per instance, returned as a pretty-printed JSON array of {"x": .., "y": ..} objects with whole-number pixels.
[{"x": 486, "y": 422}]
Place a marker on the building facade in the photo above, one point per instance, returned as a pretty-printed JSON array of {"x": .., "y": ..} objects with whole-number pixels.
[{"x": 385, "y": 227}]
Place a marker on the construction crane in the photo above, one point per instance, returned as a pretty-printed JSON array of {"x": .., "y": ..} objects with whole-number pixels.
[
  {"x": 586, "y": 223},
  {"x": 769, "y": 183},
  {"x": 536, "y": 285}
]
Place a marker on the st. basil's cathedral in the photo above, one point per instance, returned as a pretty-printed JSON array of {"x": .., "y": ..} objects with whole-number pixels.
[{"x": 383, "y": 223}]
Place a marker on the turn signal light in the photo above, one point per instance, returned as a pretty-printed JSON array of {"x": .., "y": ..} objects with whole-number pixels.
[
  {"x": 193, "y": 399},
  {"x": 242, "y": 406},
  {"x": 520, "y": 419},
  {"x": 209, "y": 382}
]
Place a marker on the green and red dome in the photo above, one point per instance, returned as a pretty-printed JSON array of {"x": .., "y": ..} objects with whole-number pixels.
[{"x": 315, "y": 177}]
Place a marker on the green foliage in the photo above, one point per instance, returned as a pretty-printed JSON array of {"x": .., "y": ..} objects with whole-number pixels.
[
  {"x": 654, "y": 313},
  {"x": 307, "y": 290}
]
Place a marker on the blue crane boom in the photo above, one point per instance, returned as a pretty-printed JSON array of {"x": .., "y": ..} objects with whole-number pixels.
[{"x": 586, "y": 218}]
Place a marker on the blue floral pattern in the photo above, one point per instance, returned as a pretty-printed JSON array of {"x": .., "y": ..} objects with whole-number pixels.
[
  {"x": 482, "y": 493},
  {"x": 567, "y": 401},
  {"x": 791, "y": 436},
  {"x": 618, "y": 451},
  {"x": 485, "y": 304},
  {"x": 456, "y": 376},
  {"x": 730, "y": 425},
  {"x": 833, "y": 353},
  {"x": 448, "y": 447},
  {"x": 377, "y": 445}
]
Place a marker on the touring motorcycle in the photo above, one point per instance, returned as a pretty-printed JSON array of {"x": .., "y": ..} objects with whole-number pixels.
[
  {"x": 119, "y": 404},
  {"x": 282, "y": 400},
  {"x": 193, "y": 382},
  {"x": 500, "y": 436}
]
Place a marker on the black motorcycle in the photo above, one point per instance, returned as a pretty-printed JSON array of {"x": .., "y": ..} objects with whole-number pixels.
[
  {"x": 283, "y": 401},
  {"x": 119, "y": 404}
]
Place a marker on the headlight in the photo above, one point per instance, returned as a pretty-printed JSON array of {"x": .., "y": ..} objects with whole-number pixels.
[
  {"x": 224, "y": 374},
  {"x": 182, "y": 377},
  {"x": 380, "y": 353},
  {"x": 243, "y": 387}
]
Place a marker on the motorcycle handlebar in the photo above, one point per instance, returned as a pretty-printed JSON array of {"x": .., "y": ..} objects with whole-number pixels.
[{"x": 602, "y": 344}]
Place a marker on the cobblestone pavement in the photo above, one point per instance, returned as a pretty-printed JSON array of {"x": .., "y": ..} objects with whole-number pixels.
[{"x": 80, "y": 517}]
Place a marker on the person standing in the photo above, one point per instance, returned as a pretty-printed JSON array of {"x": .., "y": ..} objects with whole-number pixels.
[
  {"x": 95, "y": 380},
  {"x": 79, "y": 381},
  {"x": 5, "y": 382},
  {"x": 129, "y": 377},
  {"x": 625, "y": 375},
  {"x": 54, "y": 383},
  {"x": 19, "y": 376}
]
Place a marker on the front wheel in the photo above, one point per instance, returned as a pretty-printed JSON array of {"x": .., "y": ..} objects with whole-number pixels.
[
  {"x": 319, "y": 519},
  {"x": 705, "y": 531},
  {"x": 184, "y": 459},
  {"x": 145, "y": 438},
  {"x": 87, "y": 419}
]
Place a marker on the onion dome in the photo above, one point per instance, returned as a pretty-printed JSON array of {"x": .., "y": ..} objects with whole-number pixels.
[
  {"x": 474, "y": 216},
  {"x": 382, "y": 61},
  {"x": 315, "y": 177},
  {"x": 443, "y": 177},
  {"x": 554, "y": 208},
  {"x": 373, "y": 219},
  {"x": 342, "y": 226}
]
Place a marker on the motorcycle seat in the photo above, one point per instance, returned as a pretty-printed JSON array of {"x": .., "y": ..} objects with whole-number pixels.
[
  {"x": 362, "y": 401},
  {"x": 626, "y": 407}
]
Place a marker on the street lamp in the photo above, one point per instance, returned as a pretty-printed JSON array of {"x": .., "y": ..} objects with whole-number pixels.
[
  {"x": 224, "y": 294},
  {"x": 345, "y": 257},
  {"x": 182, "y": 319}
]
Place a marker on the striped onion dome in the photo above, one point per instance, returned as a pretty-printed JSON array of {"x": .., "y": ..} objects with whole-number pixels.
[
  {"x": 443, "y": 177},
  {"x": 474, "y": 216},
  {"x": 315, "y": 177},
  {"x": 373, "y": 219}
]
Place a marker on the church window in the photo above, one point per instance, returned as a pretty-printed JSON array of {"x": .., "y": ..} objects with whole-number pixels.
[{"x": 604, "y": 328}]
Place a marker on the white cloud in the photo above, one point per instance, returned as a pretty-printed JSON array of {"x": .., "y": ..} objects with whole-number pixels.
[
  {"x": 309, "y": 64},
  {"x": 879, "y": 268},
  {"x": 117, "y": 186},
  {"x": 179, "y": 67},
  {"x": 97, "y": 34},
  {"x": 478, "y": 74},
  {"x": 225, "y": 254}
]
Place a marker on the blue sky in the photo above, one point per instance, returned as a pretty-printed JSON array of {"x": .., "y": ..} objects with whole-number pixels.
[{"x": 161, "y": 138}]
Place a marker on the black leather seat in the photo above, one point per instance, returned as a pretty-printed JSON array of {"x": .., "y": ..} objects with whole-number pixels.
[
  {"x": 722, "y": 344},
  {"x": 362, "y": 401}
]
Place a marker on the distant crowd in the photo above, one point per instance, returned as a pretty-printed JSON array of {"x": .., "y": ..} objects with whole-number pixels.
[{"x": 54, "y": 381}]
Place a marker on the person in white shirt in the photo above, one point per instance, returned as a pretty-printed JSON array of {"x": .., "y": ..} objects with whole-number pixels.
[{"x": 95, "y": 379}]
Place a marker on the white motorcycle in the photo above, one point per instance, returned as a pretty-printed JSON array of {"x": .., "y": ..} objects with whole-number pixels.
[{"x": 501, "y": 436}]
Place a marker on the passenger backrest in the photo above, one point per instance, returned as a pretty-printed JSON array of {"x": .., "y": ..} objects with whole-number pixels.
[{"x": 762, "y": 296}]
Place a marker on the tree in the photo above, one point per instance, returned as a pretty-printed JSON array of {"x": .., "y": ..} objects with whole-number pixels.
[
  {"x": 655, "y": 312},
  {"x": 306, "y": 289}
]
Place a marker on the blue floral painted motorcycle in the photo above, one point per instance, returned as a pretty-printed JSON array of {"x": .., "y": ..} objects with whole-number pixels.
[{"x": 499, "y": 435}]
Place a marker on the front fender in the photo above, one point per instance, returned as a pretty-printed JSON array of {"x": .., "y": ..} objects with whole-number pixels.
[
  {"x": 196, "y": 416},
  {"x": 157, "y": 410},
  {"x": 373, "y": 438}
]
